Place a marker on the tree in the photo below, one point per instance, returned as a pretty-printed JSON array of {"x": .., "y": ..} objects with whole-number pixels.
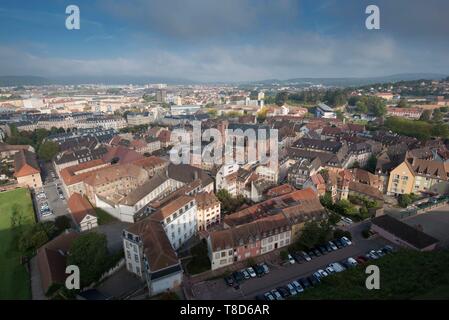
[
  {"x": 426, "y": 115},
  {"x": 310, "y": 234},
  {"x": 372, "y": 104},
  {"x": 437, "y": 115},
  {"x": 48, "y": 150},
  {"x": 371, "y": 164},
  {"x": 403, "y": 103},
  {"x": 62, "y": 223},
  {"x": 326, "y": 200},
  {"x": 281, "y": 98},
  {"x": 334, "y": 219},
  {"x": 404, "y": 200},
  {"x": 90, "y": 253}
]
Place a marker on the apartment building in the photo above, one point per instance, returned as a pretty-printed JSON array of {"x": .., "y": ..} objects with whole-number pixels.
[
  {"x": 415, "y": 175},
  {"x": 150, "y": 255},
  {"x": 179, "y": 219},
  {"x": 208, "y": 210},
  {"x": 248, "y": 240}
]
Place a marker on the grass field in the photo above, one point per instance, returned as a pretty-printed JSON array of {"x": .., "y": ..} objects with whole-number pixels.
[{"x": 14, "y": 278}]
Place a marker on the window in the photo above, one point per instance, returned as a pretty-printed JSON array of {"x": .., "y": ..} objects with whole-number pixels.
[{"x": 136, "y": 258}]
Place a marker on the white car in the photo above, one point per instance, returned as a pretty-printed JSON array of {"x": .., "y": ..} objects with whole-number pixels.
[
  {"x": 347, "y": 220},
  {"x": 298, "y": 286},
  {"x": 337, "y": 267},
  {"x": 352, "y": 262},
  {"x": 277, "y": 295},
  {"x": 333, "y": 246},
  {"x": 46, "y": 213},
  {"x": 292, "y": 289},
  {"x": 251, "y": 272},
  {"x": 345, "y": 239},
  {"x": 322, "y": 273},
  {"x": 290, "y": 259},
  {"x": 41, "y": 196},
  {"x": 330, "y": 270},
  {"x": 245, "y": 274}
]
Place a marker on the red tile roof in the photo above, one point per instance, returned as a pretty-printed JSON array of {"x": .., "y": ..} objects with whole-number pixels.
[
  {"x": 79, "y": 207},
  {"x": 25, "y": 164}
]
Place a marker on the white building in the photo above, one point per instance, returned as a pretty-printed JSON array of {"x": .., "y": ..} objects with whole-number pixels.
[{"x": 324, "y": 111}]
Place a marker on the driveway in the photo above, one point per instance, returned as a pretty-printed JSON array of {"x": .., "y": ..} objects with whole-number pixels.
[
  {"x": 37, "y": 293},
  {"x": 113, "y": 232},
  {"x": 281, "y": 275},
  {"x": 120, "y": 284},
  {"x": 435, "y": 223}
]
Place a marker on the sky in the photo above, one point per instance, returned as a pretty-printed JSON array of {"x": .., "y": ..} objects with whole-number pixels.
[{"x": 223, "y": 40}]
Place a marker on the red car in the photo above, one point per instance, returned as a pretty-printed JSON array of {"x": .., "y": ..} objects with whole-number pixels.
[{"x": 361, "y": 259}]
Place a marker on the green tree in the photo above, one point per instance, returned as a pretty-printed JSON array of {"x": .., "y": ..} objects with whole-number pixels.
[
  {"x": 310, "y": 234},
  {"x": 426, "y": 115},
  {"x": 334, "y": 219},
  {"x": 371, "y": 164},
  {"x": 403, "y": 103},
  {"x": 90, "y": 253},
  {"x": 372, "y": 104},
  {"x": 48, "y": 150}
]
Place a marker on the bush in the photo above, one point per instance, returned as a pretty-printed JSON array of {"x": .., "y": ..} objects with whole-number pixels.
[
  {"x": 62, "y": 223},
  {"x": 284, "y": 255},
  {"x": 404, "y": 200}
]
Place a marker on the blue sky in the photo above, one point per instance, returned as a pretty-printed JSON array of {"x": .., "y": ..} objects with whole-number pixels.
[{"x": 223, "y": 40}]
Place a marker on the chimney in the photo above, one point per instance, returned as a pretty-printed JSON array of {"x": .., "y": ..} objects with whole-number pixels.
[{"x": 195, "y": 175}]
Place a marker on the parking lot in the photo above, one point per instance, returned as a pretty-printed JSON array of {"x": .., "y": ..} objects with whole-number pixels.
[
  {"x": 435, "y": 223},
  {"x": 281, "y": 275},
  {"x": 56, "y": 205}
]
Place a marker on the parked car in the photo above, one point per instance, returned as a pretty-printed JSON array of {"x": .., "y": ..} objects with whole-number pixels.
[
  {"x": 41, "y": 196},
  {"x": 292, "y": 289},
  {"x": 261, "y": 297},
  {"x": 229, "y": 281},
  {"x": 269, "y": 296},
  {"x": 298, "y": 258},
  {"x": 283, "y": 291},
  {"x": 305, "y": 283},
  {"x": 316, "y": 252},
  {"x": 251, "y": 272},
  {"x": 330, "y": 270},
  {"x": 265, "y": 268},
  {"x": 337, "y": 267},
  {"x": 338, "y": 243},
  {"x": 346, "y": 240},
  {"x": 322, "y": 249},
  {"x": 317, "y": 275},
  {"x": 245, "y": 274},
  {"x": 46, "y": 213},
  {"x": 277, "y": 295},
  {"x": 313, "y": 280},
  {"x": 380, "y": 253},
  {"x": 306, "y": 256},
  {"x": 298, "y": 286},
  {"x": 373, "y": 255},
  {"x": 290, "y": 259},
  {"x": 328, "y": 247},
  {"x": 238, "y": 276},
  {"x": 387, "y": 249},
  {"x": 322, "y": 273},
  {"x": 352, "y": 262},
  {"x": 259, "y": 270},
  {"x": 361, "y": 259},
  {"x": 333, "y": 246}
]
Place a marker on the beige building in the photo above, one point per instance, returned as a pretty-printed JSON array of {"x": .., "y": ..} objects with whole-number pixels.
[{"x": 26, "y": 169}]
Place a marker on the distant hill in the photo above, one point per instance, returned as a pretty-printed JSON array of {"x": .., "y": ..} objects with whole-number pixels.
[
  {"x": 353, "y": 81},
  {"x": 12, "y": 81}
]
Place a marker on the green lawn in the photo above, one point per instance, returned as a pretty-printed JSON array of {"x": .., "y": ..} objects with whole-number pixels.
[
  {"x": 14, "y": 279},
  {"x": 403, "y": 275}
]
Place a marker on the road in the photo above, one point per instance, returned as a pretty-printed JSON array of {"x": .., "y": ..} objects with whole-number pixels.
[{"x": 281, "y": 275}]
